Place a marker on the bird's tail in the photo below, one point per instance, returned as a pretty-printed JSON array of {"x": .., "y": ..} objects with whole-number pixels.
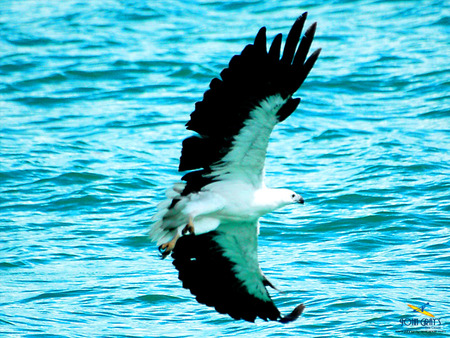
[{"x": 168, "y": 219}]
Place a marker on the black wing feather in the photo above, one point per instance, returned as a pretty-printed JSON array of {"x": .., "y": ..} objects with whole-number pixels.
[
  {"x": 208, "y": 274},
  {"x": 251, "y": 77},
  {"x": 292, "y": 39}
]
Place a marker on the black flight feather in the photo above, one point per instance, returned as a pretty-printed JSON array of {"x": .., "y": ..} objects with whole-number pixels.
[
  {"x": 209, "y": 275},
  {"x": 250, "y": 77}
]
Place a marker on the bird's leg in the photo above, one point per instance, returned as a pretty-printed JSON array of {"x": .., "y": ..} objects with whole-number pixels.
[
  {"x": 189, "y": 228},
  {"x": 166, "y": 248}
]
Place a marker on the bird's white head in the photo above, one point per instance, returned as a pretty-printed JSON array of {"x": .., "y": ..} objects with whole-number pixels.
[
  {"x": 268, "y": 200},
  {"x": 292, "y": 197},
  {"x": 284, "y": 197}
]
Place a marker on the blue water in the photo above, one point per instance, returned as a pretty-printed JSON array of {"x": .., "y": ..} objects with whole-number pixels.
[{"x": 94, "y": 96}]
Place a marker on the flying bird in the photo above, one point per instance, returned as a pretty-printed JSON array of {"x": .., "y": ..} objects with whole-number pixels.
[{"x": 210, "y": 221}]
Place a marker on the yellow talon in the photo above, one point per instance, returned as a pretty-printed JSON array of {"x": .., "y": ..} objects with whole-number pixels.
[{"x": 166, "y": 248}]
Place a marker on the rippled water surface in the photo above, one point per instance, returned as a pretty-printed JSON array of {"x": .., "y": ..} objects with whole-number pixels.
[{"x": 94, "y": 96}]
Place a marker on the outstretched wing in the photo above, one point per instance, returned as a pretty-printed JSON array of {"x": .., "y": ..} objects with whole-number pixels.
[
  {"x": 237, "y": 114},
  {"x": 221, "y": 269}
]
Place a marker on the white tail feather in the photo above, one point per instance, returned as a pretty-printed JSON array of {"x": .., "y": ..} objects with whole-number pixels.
[
  {"x": 164, "y": 205},
  {"x": 170, "y": 193},
  {"x": 168, "y": 223},
  {"x": 179, "y": 187}
]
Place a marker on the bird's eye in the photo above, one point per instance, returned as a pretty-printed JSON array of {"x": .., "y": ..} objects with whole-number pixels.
[{"x": 293, "y": 196}]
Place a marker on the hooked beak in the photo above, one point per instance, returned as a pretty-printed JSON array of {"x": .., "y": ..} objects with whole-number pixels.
[{"x": 301, "y": 200}]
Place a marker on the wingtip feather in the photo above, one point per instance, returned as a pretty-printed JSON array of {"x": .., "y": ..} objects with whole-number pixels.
[
  {"x": 274, "y": 51},
  {"x": 260, "y": 40},
  {"x": 293, "y": 39},
  {"x": 293, "y": 315}
]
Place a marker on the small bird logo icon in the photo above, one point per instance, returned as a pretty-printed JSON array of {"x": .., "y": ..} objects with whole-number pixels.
[{"x": 421, "y": 309}]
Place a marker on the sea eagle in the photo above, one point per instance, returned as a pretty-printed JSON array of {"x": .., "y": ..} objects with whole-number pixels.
[{"x": 210, "y": 221}]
